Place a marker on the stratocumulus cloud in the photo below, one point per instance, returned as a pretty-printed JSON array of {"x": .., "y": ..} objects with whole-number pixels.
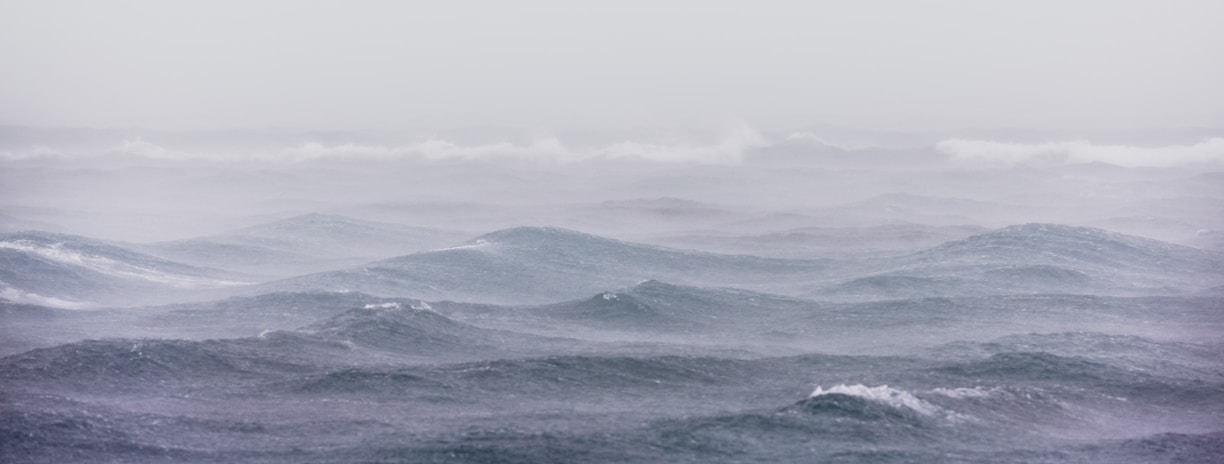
[{"x": 1075, "y": 152}]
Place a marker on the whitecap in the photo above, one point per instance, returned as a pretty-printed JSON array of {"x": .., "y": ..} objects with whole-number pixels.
[
  {"x": 388, "y": 305},
  {"x": 881, "y": 394}
]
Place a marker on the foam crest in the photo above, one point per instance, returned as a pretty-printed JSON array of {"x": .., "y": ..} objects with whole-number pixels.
[
  {"x": 881, "y": 394},
  {"x": 389, "y": 305},
  {"x": 7, "y": 292},
  {"x": 59, "y": 253}
]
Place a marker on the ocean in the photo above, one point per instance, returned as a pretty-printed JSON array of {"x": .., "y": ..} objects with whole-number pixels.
[{"x": 1036, "y": 343}]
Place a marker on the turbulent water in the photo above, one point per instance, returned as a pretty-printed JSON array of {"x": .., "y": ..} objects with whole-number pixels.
[{"x": 1030, "y": 344}]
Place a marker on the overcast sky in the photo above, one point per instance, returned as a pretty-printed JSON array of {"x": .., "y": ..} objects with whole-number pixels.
[{"x": 564, "y": 65}]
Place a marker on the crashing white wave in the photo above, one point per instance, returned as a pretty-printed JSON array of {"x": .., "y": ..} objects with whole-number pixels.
[{"x": 881, "y": 394}]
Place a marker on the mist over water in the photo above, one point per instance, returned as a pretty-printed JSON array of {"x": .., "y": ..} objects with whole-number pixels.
[
  {"x": 142, "y": 186},
  {"x": 543, "y": 231},
  {"x": 500, "y": 296}
]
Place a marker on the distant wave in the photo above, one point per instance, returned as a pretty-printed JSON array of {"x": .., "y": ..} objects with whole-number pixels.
[
  {"x": 62, "y": 254},
  {"x": 734, "y": 144},
  {"x": 1075, "y": 152},
  {"x": 728, "y": 148}
]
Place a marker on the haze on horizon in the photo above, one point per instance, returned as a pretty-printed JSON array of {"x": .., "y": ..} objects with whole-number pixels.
[
  {"x": 560, "y": 66},
  {"x": 144, "y": 120},
  {"x": 546, "y": 231}
]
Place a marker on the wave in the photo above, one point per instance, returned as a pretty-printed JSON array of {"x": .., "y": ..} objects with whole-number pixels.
[
  {"x": 541, "y": 265},
  {"x": 99, "y": 364},
  {"x": 542, "y": 377},
  {"x": 1074, "y": 152},
  {"x": 733, "y": 143},
  {"x": 1041, "y": 258},
  {"x": 57, "y": 437},
  {"x": 79, "y": 252},
  {"x": 728, "y": 148},
  {"x": 360, "y": 382},
  {"x": 598, "y": 372},
  {"x": 610, "y": 310},
  {"x": 1167, "y": 447},
  {"x": 833, "y": 423},
  {"x": 131, "y": 365},
  {"x": 1041, "y": 366},
  {"x": 900, "y": 286},
  {"x": 415, "y": 329},
  {"x": 76, "y": 272},
  {"x": 1170, "y": 359},
  {"x": 1077, "y": 248},
  {"x": 880, "y": 394}
]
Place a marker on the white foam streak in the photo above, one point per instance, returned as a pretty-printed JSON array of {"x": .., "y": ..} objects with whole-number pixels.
[
  {"x": 389, "y": 305},
  {"x": 58, "y": 253},
  {"x": 18, "y": 296},
  {"x": 478, "y": 244}
]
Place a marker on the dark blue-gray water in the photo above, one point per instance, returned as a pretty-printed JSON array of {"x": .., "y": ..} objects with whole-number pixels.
[{"x": 1029, "y": 344}]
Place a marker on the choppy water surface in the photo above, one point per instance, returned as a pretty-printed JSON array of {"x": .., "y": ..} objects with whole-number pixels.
[{"x": 1033, "y": 344}]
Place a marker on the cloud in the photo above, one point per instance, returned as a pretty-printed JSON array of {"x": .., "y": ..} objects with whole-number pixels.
[{"x": 1075, "y": 152}]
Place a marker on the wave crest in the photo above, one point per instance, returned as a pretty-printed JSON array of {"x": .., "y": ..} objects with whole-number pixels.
[{"x": 881, "y": 394}]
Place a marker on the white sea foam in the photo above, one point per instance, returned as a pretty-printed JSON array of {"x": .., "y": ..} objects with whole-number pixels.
[
  {"x": 478, "y": 244},
  {"x": 388, "y": 305},
  {"x": 881, "y": 394},
  {"x": 17, "y": 296},
  {"x": 58, "y": 253}
]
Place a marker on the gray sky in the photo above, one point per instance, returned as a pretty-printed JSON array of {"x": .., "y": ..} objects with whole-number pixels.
[{"x": 896, "y": 65}]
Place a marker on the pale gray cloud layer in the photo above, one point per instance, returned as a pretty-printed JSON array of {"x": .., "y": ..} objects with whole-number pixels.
[{"x": 558, "y": 65}]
